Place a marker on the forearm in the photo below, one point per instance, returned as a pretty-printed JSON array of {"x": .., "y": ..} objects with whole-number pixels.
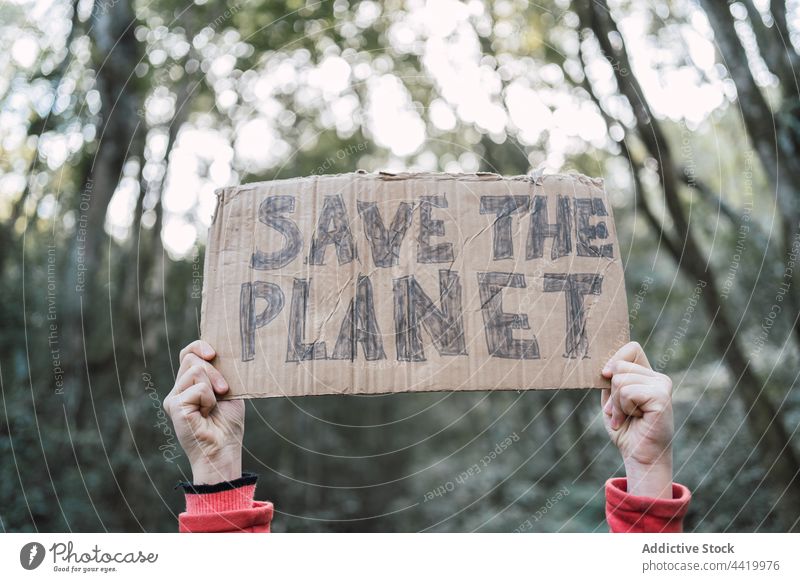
[
  {"x": 225, "y": 465},
  {"x": 650, "y": 480}
]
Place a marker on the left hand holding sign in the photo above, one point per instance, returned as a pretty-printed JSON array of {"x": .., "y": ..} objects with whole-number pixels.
[{"x": 210, "y": 431}]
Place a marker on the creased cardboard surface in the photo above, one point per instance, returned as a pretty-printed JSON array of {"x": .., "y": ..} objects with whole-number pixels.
[{"x": 373, "y": 283}]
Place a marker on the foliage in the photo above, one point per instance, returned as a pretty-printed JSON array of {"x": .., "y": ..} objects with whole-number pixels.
[{"x": 98, "y": 129}]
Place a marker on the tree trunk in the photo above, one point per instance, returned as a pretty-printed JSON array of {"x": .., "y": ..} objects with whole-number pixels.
[
  {"x": 774, "y": 49},
  {"x": 777, "y": 9},
  {"x": 773, "y": 142},
  {"x": 763, "y": 417}
]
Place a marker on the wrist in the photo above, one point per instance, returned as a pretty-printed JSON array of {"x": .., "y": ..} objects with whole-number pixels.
[
  {"x": 650, "y": 479},
  {"x": 217, "y": 469}
]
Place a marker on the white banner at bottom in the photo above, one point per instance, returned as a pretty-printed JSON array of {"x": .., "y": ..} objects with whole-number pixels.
[{"x": 389, "y": 557}]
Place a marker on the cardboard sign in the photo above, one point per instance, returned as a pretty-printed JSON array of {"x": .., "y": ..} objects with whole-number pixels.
[{"x": 372, "y": 283}]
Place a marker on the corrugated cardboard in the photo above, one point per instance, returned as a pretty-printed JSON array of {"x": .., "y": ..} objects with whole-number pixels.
[{"x": 372, "y": 283}]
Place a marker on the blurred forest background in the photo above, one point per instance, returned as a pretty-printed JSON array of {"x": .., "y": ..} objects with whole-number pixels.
[{"x": 120, "y": 118}]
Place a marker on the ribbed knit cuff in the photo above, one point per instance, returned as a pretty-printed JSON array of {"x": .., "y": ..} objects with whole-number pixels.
[
  {"x": 633, "y": 513},
  {"x": 219, "y": 497}
]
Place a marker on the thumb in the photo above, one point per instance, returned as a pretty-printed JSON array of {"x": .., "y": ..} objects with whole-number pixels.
[{"x": 605, "y": 401}]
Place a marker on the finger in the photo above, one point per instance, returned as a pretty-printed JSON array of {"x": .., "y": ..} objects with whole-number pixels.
[
  {"x": 630, "y": 352},
  {"x": 621, "y": 380},
  {"x": 617, "y": 416},
  {"x": 624, "y": 367},
  {"x": 605, "y": 401},
  {"x": 633, "y": 400},
  {"x": 621, "y": 408},
  {"x": 636, "y": 400},
  {"x": 615, "y": 408},
  {"x": 194, "y": 375},
  {"x": 199, "y": 348},
  {"x": 189, "y": 360},
  {"x": 215, "y": 377},
  {"x": 199, "y": 397}
]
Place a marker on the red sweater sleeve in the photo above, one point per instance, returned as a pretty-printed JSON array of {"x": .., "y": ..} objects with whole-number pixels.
[
  {"x": 628, "y": 513},
  {"x": 235, "y": 510},
  {"x": 221, "y": 509}
]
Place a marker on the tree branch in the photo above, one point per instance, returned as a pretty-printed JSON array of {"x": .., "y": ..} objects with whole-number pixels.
[{"x": 764, "y": 418}]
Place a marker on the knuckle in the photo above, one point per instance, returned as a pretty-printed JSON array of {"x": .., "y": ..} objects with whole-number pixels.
[
  {"x": 184, "y": 407},
  {"x": 203, "y": 435},
  {"x": 178, "y": 412},
  {"x": 201, "y": 391},
  {"x": 195, "y": 370},
  {"x": 187, "y": 349}
]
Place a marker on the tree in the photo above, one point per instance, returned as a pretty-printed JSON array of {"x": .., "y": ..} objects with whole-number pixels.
[{"x": 105, "y": 114}]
